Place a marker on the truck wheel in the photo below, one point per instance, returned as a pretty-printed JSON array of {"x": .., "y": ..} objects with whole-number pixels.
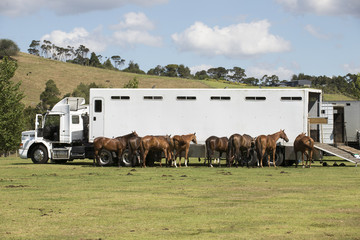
[
  {"x": 252, "y": 160},
  {"x": 105, "y": 158},
  {"x": 39, "y": 155},
  {"x": 125, "y": 159}
]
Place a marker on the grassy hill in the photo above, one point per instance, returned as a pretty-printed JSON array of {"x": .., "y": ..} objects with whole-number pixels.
[{"x": 35, "y": 71}]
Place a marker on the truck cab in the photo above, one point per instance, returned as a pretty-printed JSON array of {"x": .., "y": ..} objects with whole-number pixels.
[{"x": 60, "y": 135}]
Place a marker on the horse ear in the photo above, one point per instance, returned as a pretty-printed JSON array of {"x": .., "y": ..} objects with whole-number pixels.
[{"x": 194, "y": 133}]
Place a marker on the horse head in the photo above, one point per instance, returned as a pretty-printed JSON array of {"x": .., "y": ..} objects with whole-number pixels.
[
  {"x": 134, "y": 134},
  {"x": 194, "y": 138},
  {"x": 283, "y": 135}
]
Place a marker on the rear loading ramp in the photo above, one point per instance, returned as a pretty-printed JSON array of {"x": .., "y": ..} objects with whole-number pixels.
[{"x": 336, "y": 151}]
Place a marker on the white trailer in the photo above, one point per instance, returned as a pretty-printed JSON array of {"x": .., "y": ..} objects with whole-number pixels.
[{"x": 207, "y": 112}]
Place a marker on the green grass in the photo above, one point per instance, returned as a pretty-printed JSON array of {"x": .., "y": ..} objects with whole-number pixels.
[
  {"x": 336, "y": 97},
  {"x": 78, "y": 201}
]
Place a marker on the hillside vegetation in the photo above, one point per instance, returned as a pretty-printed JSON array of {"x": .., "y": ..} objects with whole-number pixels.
[{"x": 34, "y": 72}]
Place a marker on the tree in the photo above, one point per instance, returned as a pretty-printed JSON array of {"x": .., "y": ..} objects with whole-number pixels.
[
  {"x": 184, "y": 72},
  {"x": 94, "y": 60},
  {"x": 83, "y": 90},
  {"x": 107, "y": 65},
  {"x": 171, "y": 70},
  {"x": 50, "y": 96},
  {"x": 217, "y": 73},
  {"x": 238, "y": 74},
  {"x": 158, "y": 71},
  {"x": 11, "y": 108},
  {"x": 134, "y": 83},
  {"x": 118, "y": 61},
  {"x": 201, "y": 75},
  {"x": 8, "y": 48},
  {"x": 34, "y": 48},
  {"x": 133, "y": 68}
]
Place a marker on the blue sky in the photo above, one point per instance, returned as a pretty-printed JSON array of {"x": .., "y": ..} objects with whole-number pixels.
[{"x": 282, "y": 37}]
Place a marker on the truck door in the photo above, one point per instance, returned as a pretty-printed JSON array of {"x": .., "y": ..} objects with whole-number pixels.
[{"x": 97, "y": 118}]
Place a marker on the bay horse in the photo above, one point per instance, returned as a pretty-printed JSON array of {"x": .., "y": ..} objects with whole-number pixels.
[
  {"x": 239, "y": 148},
  {"x": 305, "y": 145},
  {"x": 213, "y": 144},
  {"x": 160, "y": 143},
  {"x": 267, "y": 145},
  {"x": 181, "y": 144},
  {"x": 134, "y": 149},
  {"x": 117, "y": 145}
]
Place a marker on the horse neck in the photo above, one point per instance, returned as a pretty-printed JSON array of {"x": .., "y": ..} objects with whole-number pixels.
[{"x": 276, "y": 136}]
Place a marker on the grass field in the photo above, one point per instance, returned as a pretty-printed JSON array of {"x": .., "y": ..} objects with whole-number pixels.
[{"x": 78, "y": 201}]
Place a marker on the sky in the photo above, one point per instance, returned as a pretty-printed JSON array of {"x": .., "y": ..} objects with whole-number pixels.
[{"x": 281, "y": 37}]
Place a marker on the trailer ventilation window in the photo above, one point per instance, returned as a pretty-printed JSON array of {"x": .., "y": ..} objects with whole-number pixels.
[
  {"x": 255, "y": 98},
  {"x": 291, "y": 98},
  {"x": 75, "y": 119},
  {"x": 153, "y": 98},
  {"x": 225, "y": 98},
  {"x": 186, "y": 98},
  {"x": 98, "y": 106},
  {"x": 120, "y": 97},
  {"x": 348, "y": 104}
]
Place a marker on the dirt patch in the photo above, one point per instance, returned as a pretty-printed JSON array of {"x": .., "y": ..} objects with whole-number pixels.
[{"x": 16, "y": 186}]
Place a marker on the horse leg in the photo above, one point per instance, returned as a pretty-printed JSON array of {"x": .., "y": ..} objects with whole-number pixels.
[
  {"x": 180, "y": 158},
  {"x": 144, "y": 155},
  {"x": 302, "y": 158},
  {"x": 119, "y": 157},
  {"x": 273, "y": 158},
  {"x": 186, "y": 156},
  {"x": 310, "y": 158},
  {"x": 209, "y": 159}
]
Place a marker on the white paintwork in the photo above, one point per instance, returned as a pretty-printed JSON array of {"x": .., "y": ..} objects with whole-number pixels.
[{"x": 204, "y": 116}]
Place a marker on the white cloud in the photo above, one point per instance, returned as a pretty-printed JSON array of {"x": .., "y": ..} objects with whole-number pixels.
[
  {"x": 199, "y": 68},
  {"x": 134, "y": 21},
  {"x": 130, "y": 33},
  {"x": 323, "y": 7},
  {"x": 134, "y": 37},
  {"x": 135, "y": 30},
  {"x": 78, "y": 36},
  {"x": 315, "y": 32},
  {"x": 244, "y": 39},
  {"x": 260, "y": 71},
  {"x": 352, "y": 68},
  {"x": 67, "y": 7}
]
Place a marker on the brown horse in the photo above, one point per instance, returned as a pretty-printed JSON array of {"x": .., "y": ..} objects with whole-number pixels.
[
  {"x": 239, "y": 148},
  {"x": 134, "y": 149},
  {"x": 267, "y": 145},
  {"x": 162, "y": 143},
  {"x": 305, "y": 145},
  {"x": 181, "y": 144},
  {"x": 117, "y": 145},
  {"x": 213, "y": 144}
]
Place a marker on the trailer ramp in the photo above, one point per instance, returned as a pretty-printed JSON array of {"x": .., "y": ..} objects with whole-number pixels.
[{"x": 344, "y": 152}]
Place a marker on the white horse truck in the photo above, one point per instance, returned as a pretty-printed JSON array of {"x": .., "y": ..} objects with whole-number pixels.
[{"x": 67, "y": 131}]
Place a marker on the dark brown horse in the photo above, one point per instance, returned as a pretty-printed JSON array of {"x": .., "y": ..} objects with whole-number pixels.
[
  {"x": 239, "y": 148},
  {"x": 267, "y": 145},
  {"x": 213, "y": 144},
  {"x": 181, "y": 144},
  {"x": 117, "y": 145},
  {"x": 305, "y": 145},
  {"x": 159, "y": 143},
  {"x": 134, "y": 150}
]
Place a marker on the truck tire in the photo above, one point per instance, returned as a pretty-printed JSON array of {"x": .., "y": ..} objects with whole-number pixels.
[
  {"x": 39, "y": 155},
  {"x": 105, "y": 158},
  {"x": 125, "y": 161}
]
